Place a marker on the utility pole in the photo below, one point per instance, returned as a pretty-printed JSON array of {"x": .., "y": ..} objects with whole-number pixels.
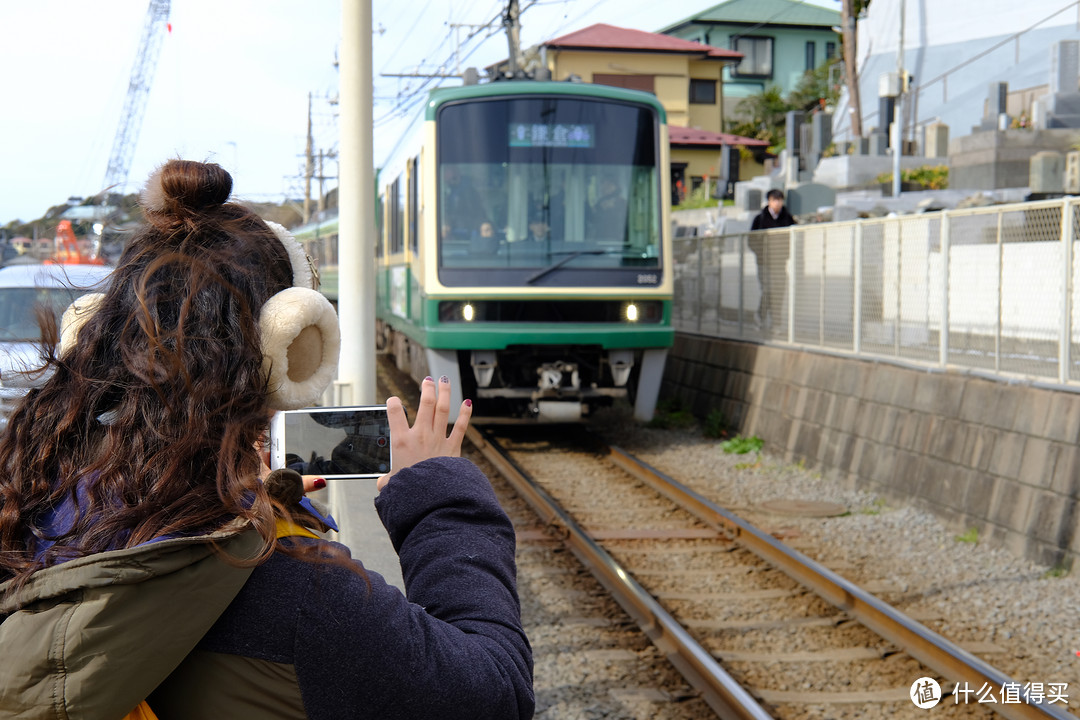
[
  {"x": 897, "y": 134},
  {"x": 356, "y": 203},
  {"x": 321, "y": 205},
  {"x": 848, "y": 20},
  {"x": 511, "y": 21},
  {"x": 308, "y": 165}
]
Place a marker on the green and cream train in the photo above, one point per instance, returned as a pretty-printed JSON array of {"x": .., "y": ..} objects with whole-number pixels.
[{"x": 524, "y": 248}]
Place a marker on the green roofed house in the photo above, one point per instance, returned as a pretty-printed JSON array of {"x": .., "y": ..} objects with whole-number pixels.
[{"x": 779, "y": 40}]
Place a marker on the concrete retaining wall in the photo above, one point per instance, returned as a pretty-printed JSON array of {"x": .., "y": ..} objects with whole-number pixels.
[{"x": 998, "y": 457}]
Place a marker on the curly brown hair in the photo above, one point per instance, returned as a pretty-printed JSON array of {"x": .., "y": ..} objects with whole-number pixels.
[{"x": 148, "y": 426}]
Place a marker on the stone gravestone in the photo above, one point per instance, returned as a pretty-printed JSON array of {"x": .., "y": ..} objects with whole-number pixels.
[
  {"x": 793, "y": 122},
  {"x": 886, "y": 106},
  {"x": 729, "y": 170},
  {"x": 997, "y": 97},
  {"x": 1064, "y": 67},
  {"x": 937, "y": 140},
  {"x": 806, "y": 158},
  {"x": 820, "y": 136},
  {"x": 747, "y": 197},
  {"x": 1060, "y": 108},
  {"x": 807, "y": 198},
  {"x": 1047, "y": 173},
  {"x": 879, "y": 144},
  {"x": 1072, "y": 172}
]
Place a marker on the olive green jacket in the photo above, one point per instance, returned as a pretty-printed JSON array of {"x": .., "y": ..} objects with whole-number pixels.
[{"x": 92, "y": 637}]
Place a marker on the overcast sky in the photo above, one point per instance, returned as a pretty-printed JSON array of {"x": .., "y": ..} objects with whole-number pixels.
[{"x": 232, "y": 81}]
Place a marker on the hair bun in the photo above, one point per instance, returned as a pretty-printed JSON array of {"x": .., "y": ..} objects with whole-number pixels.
[{"x": 181, "y": 187}]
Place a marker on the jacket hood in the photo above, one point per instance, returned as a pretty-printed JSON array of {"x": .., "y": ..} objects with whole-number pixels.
[{"x": 92, "y": 637}]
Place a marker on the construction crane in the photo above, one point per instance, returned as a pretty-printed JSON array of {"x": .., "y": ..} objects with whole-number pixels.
[{"x": 142, "y": 75}]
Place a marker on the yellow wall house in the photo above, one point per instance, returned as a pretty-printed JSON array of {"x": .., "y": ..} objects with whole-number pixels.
[{"x": 686, "y": 77}]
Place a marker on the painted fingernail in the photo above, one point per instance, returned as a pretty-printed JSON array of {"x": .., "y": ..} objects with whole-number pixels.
[
  {"x": 320, "y": 483},
  {"x": 429, "y": 378},
  {"x": 468, "y": 403},
  {"x": 444, "y": 379}
]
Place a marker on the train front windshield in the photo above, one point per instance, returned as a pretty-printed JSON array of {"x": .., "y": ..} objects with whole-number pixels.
[{"x": 553, "y": 190}]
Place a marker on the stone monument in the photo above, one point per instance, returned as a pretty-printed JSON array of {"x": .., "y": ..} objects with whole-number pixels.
[
  {"x": 937, "y": 140},
  {"x": 820, "y": 137},
  {"x": 1047, "y": 174},
  {"x": 992, "y": 159},
  {"x": 1072, "y": 172},
  {"x": 1060, "y": 108},
  {"x": 807, "y": 198},
  {"x": 997, "y": 97}
]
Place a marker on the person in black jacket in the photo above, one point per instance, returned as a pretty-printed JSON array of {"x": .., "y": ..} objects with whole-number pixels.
[{"x": 772, "y": 255}]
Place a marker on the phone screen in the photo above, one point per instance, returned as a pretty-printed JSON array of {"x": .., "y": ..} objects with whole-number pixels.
[{"x": 338, "y": 442}]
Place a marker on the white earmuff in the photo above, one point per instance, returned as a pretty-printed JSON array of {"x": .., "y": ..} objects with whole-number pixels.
[
  {"x": 298, "y": 329},
  {"x": 76, "y": 315},
  {"x": 300, "y": 341},
  {"x": 300, "y": 335}
]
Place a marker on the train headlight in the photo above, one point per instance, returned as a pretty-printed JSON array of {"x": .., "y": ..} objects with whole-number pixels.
[
  {"x": 631, "y": 312},
  {"x": 467, "y": 312}
]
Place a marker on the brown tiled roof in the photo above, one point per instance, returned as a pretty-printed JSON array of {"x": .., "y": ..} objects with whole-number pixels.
[
  {"x": 705, "y": 138},
  {"x": 609, "y": 37}
]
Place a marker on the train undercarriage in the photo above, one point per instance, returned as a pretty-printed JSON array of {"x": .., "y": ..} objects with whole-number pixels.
[{"x": 536, "y": 383}]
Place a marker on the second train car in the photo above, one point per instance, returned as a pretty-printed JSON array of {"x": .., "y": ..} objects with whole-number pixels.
[{"x": 524, "y": 248}]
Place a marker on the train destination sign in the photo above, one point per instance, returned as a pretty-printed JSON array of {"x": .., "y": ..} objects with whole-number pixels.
[{"x": 569, "y": 135}]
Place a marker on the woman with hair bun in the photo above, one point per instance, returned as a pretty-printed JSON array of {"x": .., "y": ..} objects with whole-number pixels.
[{"x": 146, "y": 570}]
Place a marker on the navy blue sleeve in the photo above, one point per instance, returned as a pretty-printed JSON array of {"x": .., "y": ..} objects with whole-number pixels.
[{"x": 455, "y": 648}]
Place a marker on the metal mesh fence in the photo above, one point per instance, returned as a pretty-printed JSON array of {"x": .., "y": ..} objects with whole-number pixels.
[
  {"x": 991, "y": 288},
  {"x": 876, "y": 331},
  {"x": 771, "y": 251},
  {"x": 1031, "y": 291},
  {"x": 686, "y": 257},
  {"x": 1072, "y": 293}
]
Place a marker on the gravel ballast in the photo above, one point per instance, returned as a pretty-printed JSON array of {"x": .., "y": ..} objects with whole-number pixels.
[{"x": 965, "y": 590}]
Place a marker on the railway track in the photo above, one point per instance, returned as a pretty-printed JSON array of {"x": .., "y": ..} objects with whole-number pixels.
[
  {"x": 755, "y": 627},
  {"x": 795, "y": 654}
]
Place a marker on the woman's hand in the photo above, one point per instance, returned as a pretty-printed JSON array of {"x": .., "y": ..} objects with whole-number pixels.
[{"x": 427, "y": 437}]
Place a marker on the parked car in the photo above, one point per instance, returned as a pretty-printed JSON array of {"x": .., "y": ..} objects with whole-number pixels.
[{"x": 23, "y": 288}]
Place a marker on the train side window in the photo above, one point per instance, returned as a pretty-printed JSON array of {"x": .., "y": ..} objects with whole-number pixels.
[
  {"x": 380, "y": 225},
  {"x": 397, "y": 218},
  {"x": 414, "y": 173}
]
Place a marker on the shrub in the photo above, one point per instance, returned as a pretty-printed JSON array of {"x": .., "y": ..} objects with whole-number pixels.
[
  {"x": 740, "y": 445},
  {"x": 715, "y": 425},
  {"x": 932, "y": 177},
  {"x": 671, "y": 415}
]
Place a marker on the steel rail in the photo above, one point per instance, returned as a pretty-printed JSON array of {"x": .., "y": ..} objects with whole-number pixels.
[
  {"x": 915, "y": 639},
  {"x": 722, "y": 692}
]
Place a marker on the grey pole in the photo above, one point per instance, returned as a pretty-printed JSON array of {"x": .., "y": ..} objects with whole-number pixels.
[
  {"x": 356, "y": 218},
  {"x": 897, "y": 115}
]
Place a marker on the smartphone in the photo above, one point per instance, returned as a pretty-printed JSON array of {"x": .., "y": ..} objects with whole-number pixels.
[{"x": 332, "y": 442}]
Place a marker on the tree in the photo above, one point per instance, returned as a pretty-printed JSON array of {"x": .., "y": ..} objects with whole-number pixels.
[
  {"x": 816, "y": 85},
  {"x": 849, "y": 14},
  {"x": 763, "y": 115}
]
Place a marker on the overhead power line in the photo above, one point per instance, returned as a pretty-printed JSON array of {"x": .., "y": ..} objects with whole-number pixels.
[{"x": 408, "y": 97}]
